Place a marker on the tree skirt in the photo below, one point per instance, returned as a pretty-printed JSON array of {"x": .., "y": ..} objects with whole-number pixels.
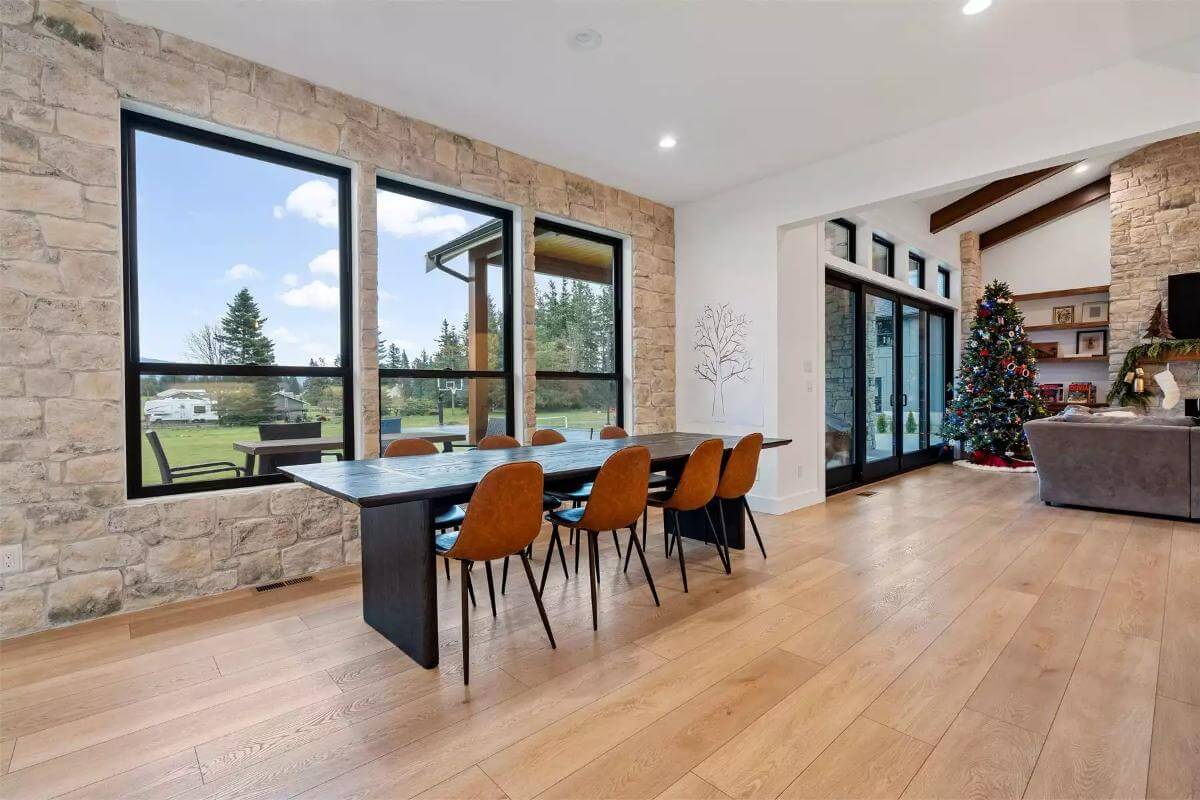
[{"x": 990, "y": 468}]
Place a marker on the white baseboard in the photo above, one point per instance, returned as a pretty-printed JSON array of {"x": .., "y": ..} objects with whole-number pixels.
[{"x": 782, "y": 505}]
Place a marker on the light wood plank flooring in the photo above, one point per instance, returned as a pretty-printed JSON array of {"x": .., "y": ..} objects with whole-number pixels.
[{"x": 949, "y": 636}]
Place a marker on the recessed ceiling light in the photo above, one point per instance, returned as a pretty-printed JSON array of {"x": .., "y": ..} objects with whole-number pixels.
[
  {"x": 667, "y": 142},
  {"x": 975, "y": 6},
  {"x": 1081, "y": 167},
  {"x": 585, "y": 39}
]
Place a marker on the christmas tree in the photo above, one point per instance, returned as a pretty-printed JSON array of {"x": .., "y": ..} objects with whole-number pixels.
[{"x": 995, "y": 393}]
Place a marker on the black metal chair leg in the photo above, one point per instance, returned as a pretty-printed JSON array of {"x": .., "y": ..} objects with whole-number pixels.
[
  {"x": 633, "y": 543},
  {"x": 592, "y": 575},
  {"x": 596, "y": 546},
  {"x": 466, "y": 625},
  {"x": 754, "y": 525},
  {"x": 721, "y": 554},
  {"x": 549, "y": 558},
  {"x": 446, "y": 561},
  {"x": 562, "y": 557},
  {"x": 487, "y": 568},
  {"x": 628, "y": 551},
  {"x": 504, "y": 576},
  {"x": 537, "y": 598},
  {"x": 470, "y": 586},
  {"x": 679, "y": 546},
  {"x": 578, "y": 544},
  {"x": 725, "y": 541}
]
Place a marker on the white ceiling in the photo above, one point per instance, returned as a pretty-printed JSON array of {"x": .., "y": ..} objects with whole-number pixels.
[
  {"x": 749, "y": 89},
  {"x": 1026, "y": 200}
]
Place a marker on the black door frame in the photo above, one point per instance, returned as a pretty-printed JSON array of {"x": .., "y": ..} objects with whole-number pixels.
[{"x": 859, "y": 471}]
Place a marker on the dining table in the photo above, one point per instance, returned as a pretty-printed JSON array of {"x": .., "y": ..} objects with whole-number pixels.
[
  {"x": 262, "y": 452},
  {"x": 396, "y": 497}
]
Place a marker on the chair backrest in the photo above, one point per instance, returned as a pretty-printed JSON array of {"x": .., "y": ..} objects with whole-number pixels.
[
  {"x": 741, "y": 469},
  {"x": 504, "y": 514},
  {"x": 164, "y": 467},
  {"x": 619, "y": 491},
  {"x": 271, "y": 431},
  {"x": 497, "y": 441},
  {"x": 546, "y": 436},
  {"x": 410, "y": 447},
  {"x": 698, "y": 483},
  {"x": 613, "y": 432}
]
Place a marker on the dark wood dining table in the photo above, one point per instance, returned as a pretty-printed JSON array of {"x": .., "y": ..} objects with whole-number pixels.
[{"x": 397, "y": 495}]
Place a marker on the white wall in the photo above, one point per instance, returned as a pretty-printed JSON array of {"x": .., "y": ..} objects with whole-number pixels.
[
  {"x": 730, "y": 247},
  {"x": 1071, "y": 251}
]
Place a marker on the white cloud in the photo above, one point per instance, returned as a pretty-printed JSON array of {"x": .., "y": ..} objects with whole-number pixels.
[
  {"x": 315, "y": 200},
  {"x": 401, "y": 215},
  {"x": 318, "y": 295},
  {"x": 290, "y": 279},
  {"x": 384, "y": 294},
  {"x": 278, "y": 212},
  {"x": 242, "y": 272},
  {"x": 282, "y": 335},
  {"x": 328, "y": 262}
]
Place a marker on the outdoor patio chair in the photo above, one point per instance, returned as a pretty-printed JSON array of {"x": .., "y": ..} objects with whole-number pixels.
[{"x": 169, "y": 474}]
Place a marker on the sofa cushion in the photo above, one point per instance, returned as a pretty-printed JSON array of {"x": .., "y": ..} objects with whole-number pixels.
[{"x": 1170, "y": 422}]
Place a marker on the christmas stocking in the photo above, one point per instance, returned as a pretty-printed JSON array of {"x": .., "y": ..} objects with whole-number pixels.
[{"x": 1170, "y": 389}]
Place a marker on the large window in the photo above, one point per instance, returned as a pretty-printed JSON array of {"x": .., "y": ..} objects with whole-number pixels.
[
  {"x": 578, "y": 318},
  {"x": 445, "y": 310},
  {"x": 237, "y": 289}
]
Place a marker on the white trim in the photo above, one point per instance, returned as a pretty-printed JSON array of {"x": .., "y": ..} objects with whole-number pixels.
[{"x": 784, "y": 505}]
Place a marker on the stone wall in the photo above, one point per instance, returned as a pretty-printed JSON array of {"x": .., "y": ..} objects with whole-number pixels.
[
  {"x": 64, "y": 70},
  {"x": 1155, "y": 205},
  {"x": 972, "y": 280}
]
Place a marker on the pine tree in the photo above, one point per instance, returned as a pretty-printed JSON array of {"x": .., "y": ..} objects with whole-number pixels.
[
  {"x": 241, "y": 333},
  {"x": 996, "y": 392}
]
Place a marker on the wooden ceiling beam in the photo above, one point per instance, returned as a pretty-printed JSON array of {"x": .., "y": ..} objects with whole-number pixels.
[
  {"x": 987, "y": 196},
  {"x": 1082, "y": 197}
]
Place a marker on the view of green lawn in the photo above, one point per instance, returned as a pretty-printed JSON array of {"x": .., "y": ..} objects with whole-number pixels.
[{"x": 205, "y": 442}]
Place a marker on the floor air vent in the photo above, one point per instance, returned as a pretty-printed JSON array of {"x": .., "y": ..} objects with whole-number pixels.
[
  {"x": 867, "y": 493},
  {"x": 266, "y": 587}
]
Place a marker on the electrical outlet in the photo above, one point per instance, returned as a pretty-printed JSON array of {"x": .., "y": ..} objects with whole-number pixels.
[{"x": 10, "y": 559}]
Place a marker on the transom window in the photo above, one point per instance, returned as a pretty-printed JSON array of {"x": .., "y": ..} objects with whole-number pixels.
[
  {"x": 578, "y": 320},
  {"x": 883, "y": 256},
  {"x": 943, "y": 282},
  {"x": 237, "y": 284},
  {"x": 445, "y": 310},
  {"x": 916, "y": 270},
  {"x": 839, "y": 238}
]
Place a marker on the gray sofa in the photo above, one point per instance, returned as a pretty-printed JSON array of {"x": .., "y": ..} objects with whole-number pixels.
[{"x": 1149, "y": 465}]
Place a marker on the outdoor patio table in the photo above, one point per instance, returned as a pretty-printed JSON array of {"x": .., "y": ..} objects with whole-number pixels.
[
  {"x": 265, "y": 451},
  {"x": 397, "y": 495}
]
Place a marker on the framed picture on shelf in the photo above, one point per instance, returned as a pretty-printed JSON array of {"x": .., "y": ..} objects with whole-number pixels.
[
  {"x": 1081, "y": 393},
  {"x": 1045, "y": 349},
  {"x": 1094, "y": 313},
  {"x": 1063, "y": 315},
  {"x": 1051, "y": 392},
  {"x": 1091, "y": 343}
]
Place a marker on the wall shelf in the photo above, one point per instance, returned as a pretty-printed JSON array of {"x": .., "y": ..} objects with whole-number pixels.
[
  {"x": 1075, "y": 360},
  {"x": 1062, "y": 293},
  {"x": 1070, "y": 326}
]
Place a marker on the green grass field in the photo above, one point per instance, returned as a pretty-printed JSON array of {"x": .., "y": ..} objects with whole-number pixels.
[{"x": 200, "y": 443}]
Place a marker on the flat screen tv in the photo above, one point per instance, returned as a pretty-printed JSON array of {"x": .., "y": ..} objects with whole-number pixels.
[{"x": 1183, "y": 305}]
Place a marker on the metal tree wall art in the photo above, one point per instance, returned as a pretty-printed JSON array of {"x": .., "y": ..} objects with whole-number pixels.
[{"x": 720, "y": 339}]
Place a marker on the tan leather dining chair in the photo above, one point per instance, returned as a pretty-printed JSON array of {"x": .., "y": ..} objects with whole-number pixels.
[
  {"x": 737, "y": 478},
  {"x": 618, "y": 497},
  {"x": 544, "y": 436},
  {"x": 613, "y": 432},
  {"x": 503, "y": 517},
  {"x": 497, "y": 441},
  {"x": 696, "y": 488},
  {"x": 444, "y": 517}
]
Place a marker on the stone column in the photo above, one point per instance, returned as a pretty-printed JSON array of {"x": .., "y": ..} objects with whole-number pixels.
[
  {"x": 972, "y": 278},
  {"x": 368, "y": 312}
]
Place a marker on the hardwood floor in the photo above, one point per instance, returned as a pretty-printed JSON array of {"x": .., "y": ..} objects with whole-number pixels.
[{"x": 950, "y": 636}]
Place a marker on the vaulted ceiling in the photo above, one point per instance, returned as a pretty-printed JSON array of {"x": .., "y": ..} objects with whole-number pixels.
[{"x": 749, "y": 89}]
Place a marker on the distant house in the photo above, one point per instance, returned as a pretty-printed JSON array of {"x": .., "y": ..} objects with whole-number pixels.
[
  {"x": 289, "y": 407},
  {"x": 180, "y": 405}
]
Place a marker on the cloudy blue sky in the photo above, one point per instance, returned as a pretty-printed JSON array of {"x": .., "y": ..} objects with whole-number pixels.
[{"x": 210, "y": 223}]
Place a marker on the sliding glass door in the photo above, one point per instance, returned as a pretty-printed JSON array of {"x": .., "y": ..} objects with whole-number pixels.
[{"x": 886, "y": 367}]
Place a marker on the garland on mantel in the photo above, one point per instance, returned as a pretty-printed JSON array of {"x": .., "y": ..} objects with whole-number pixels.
[{"x": 1124, "y": 389}]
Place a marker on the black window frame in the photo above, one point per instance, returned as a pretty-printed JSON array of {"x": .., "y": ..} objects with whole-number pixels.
[
  {"x": 617, "y": 376},
  {"x": 131, "y": 123},
  {"x": 508, "y": 373},
  {"x": 919, "y": 260},
  {"x": 891, "y": 258},
  {"x": 852, "y": 235},
  {"x": 944, "y": 273}
]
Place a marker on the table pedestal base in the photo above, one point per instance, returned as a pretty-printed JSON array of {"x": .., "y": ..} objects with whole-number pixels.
[{"x": 399, "y": 583}]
